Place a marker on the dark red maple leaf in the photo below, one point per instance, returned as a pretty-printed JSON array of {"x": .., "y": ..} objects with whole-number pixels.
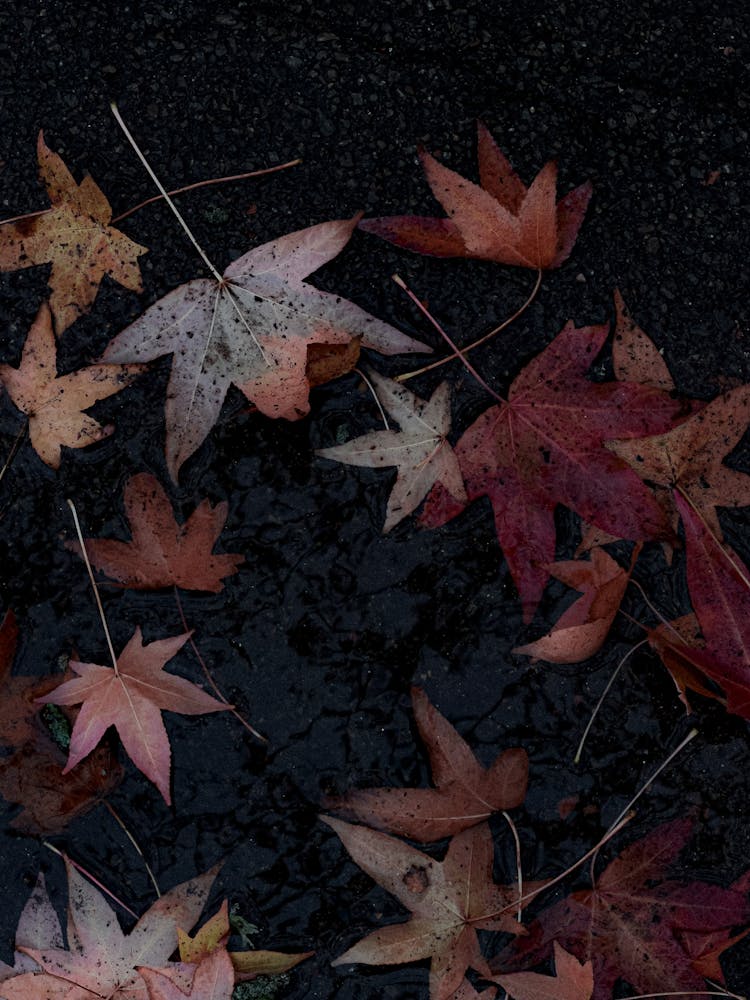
[
  {"x": 719, "y": 584},
  {"x": 163, "y": 553},
  {"x": 466, "y": 793},
  {"x": 501, "y": 220},
  {"x": 545, "y": 446},
  {"x": 630, "y": 925}
]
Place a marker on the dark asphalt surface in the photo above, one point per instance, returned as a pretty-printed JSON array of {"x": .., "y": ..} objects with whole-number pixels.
[{"x": 321, "y": 633}]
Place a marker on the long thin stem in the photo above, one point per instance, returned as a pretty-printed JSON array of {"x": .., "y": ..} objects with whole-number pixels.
[
  {"x": 605, "y": 692},
  {"x": 684, "y": 993},
  {"x": 90, "y": 877},
  {"x": 209, "y": 677},
  {"x": 456, "y": 350},
  {"x": 119, "y": 820},
  {"x": 97, "y": 598},
  {"x": 371, "y": 387},
  {"x": 163, "y": 191},
  {"x": 14, "y": 448},
  {"x": 208, "y": 183},
  {"x": 519, "y": 869},
  {"x": 481, "y": 340}
]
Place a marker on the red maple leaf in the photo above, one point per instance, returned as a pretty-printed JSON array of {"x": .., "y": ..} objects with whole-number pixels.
[
  {"x": 545, "y": 446},
  {"x": 501, "y": 220},
  {"x": 132, "y": 699},
  {"x": 466, "y": 793},
  {"x": 630, "y": 925},
  {"x": 163, "y": 553}
]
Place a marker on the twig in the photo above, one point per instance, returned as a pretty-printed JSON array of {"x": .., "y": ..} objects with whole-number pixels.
[{"x": 14, "y": 448}]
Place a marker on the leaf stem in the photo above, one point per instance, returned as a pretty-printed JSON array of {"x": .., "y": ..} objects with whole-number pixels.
[
  {"x": 14, "y": 448},
  {"x": 90, "y": 877},
  {"x": 207, "y": 183},
  {"x": 164, "y": 194},
  {"x": 119, "y": 820},
  {"x": 519, "y": 869},
  {"x": 371, "y": 387},
  {"x": 481, "y": 340},
  {"x": 456, "y": 350},
  {"x": 97, "y": 598},
  {"x": 209, "y": 677}
]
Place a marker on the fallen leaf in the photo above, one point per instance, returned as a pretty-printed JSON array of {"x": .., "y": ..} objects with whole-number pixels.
[
  {"x": 132, "y": 700},
  {"x": 100, "y": 959},
  {"x": 719, "y": 585},
  {"x": 75, "y": 237},
  {"x": 55, "y": 403},
  {"x": 449, "y": 902},
  {"x": 252, "y": 329},
  {"x": 545, "y": 446},
  {"x": 163, "y": 553},
  {"x": 38, "y": 927},
  {"x": 419, "y": 450},
  {"x": 581, "y": 630},
  {"x": 679, "y": 644},
  {"x": 689, "y": 457},
  {"x": 628, "y": 926},
  {"x": 635, "y": 357},
  {"x": 501, "y": 220},
  {"x": 466, "y": 793},
  {"x": 573, "y": 980},
  {"x": 247, "y": 964}
]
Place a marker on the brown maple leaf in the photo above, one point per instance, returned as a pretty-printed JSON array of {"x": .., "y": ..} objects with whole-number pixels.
[
  {"x": 629, "y": 925},
  {"x": 163, "y": 553},
  {"x": 501, "y": 220},
  {"x": 55, "y": 403},
  {"x": 545, "y": 446},
  {"x": 466, "y": 793},
  {"x": 132, "y": 699},
  {"x": 251, "y": 328},
  {"x": 75, "y": 237},
  {"x": 581, "y": 629},
  {"x": 32, "y": 776},
  {"x": 449, "y": 902},
  {"x": 573, "y": 980}
]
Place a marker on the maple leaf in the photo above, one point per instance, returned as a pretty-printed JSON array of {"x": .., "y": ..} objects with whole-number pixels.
[
  {"x": 719, "y": 585},
  {"x": 163, "y": 553},
  {"x": 247, "y": 964},
  {"x": 251, "y": 329},
  {"x": 545, "y": 446},
  {"x": 466, "y": 793},
  {"x": 582, "y": 628},
  {"x": 679, "y": 644},
  {"x": 75, "y": 237},
  {"x": 55, "y": 403},
  {"x": 100, "y": 960},
  {"x": 502, "y": 220},
  {"x": 449, "y": 901},
  {"x": 573, "y": 980},
  {"x": 132, "y": 700},
  {"x": 689, "y": 457},
  {"x": 419, "y": 450},
  {"x": 629, "y": 925}
]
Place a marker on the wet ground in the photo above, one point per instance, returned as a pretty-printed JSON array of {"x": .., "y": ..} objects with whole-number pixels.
[{"x": 319, "y": 636}]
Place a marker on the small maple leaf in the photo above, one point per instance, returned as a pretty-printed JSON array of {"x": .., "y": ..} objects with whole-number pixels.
[
  {"x": 163, "y": 553},
  {"x": 100, "y": 960},
  {"x": 719, "y": 585},
  {"x": 449, "y": 902},
  {"x": 55, "y": 403},
  {"x": 466, "y": 793},
  {"x": 628, "y": 926},
  {"x": 545, "y": 446},
  {"x": 573, "y": 980},
  {"x": 247, "y": 964},
  {"x": 75, "y": 237},
  {"x": 251, "y": 329},
  {"x": 582, "y": 628},
  {"x": 502, "y": 220},
  {"x": 419, "y": 450},
  {"x": 132, "y": 700}
]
